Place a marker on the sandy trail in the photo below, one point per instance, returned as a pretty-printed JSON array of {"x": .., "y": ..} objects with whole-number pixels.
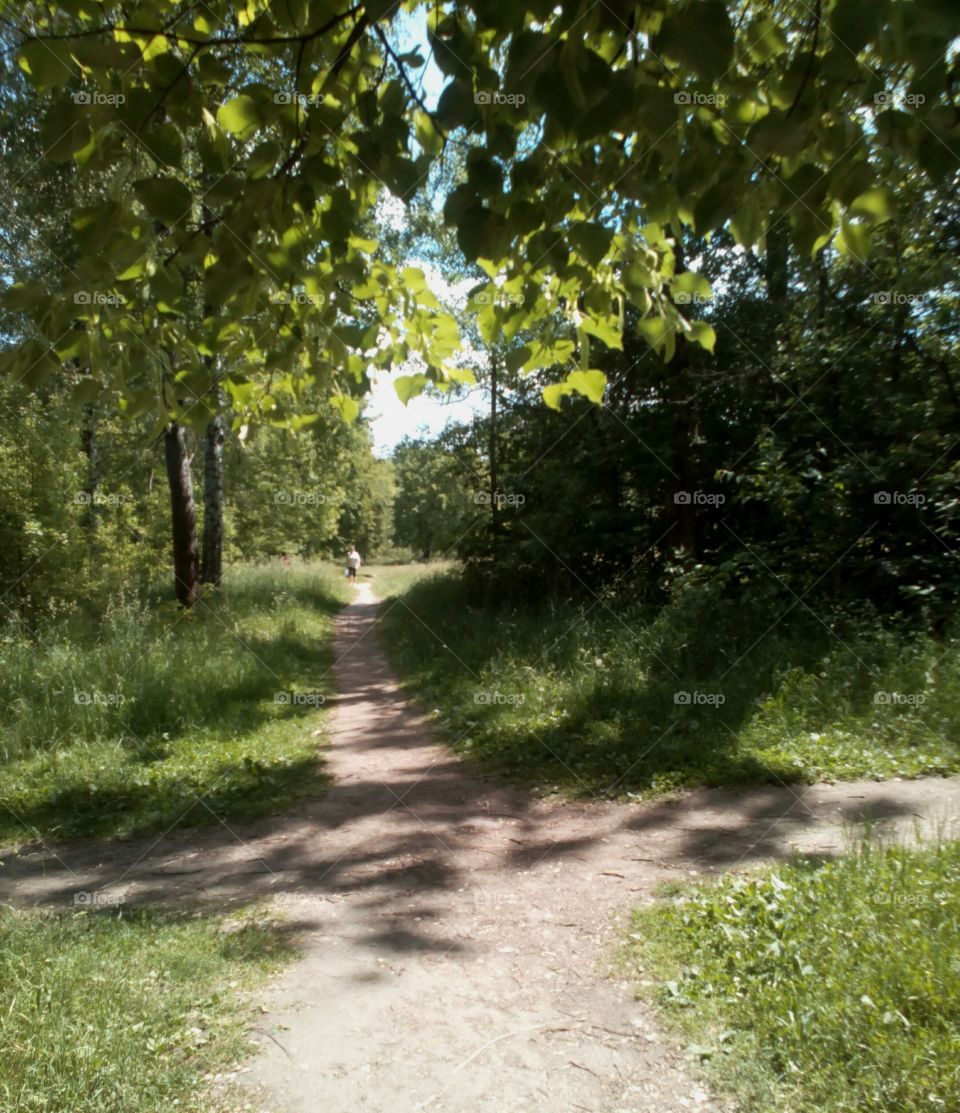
[{"x": 456, "y": 934}]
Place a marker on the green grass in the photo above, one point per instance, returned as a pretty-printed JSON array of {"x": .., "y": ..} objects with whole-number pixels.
[
  {"x": 389, "y": 581},
  {"x": 114, "y": 1013},
  {"x": 158, "y": 718},
  {"x": 582, "y": 698},
  {"x": 818, "y": 988}
]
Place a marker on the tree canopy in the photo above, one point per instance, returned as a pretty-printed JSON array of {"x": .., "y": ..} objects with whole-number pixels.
[{"x": 234, "y": 156}]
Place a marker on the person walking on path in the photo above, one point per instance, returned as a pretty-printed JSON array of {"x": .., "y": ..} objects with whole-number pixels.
[{"x": 353, "y": 563}]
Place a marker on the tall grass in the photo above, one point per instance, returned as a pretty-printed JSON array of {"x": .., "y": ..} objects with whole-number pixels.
[
  {"x": 390, "y": 581},
  {"x": 159, "y": 716},
  {"x": 818, "y": 988},
  {"x": 620, "y": 697},
  {"x": 111, "y": 1013}
]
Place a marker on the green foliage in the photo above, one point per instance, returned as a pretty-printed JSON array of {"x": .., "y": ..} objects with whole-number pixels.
[
  {"x": 107, "y": 1012},
  {"x": 158, "y": 718},
  {"x": 808, "y": 443},
  {"x": 308, "y": 493},
  {"x": 620, "y": 698},
  {"x": 86, "y": 509},
  {"x": 226, "y": 171},
  {"x": 74, "y": 533},
  {"x": 830, "y": 987},
  {"x": 438, "y": 485},
  {"x": 367, "y": 517}
]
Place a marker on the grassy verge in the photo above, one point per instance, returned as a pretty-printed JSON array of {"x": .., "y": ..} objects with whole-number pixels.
[
  {"x": 392, "y": 580},
  {"x": 109, "y": 1013},
  {"x": 623, "y": 699},
  {"x": 830, "y": 988},
  {"x": 159, "y": 717}
]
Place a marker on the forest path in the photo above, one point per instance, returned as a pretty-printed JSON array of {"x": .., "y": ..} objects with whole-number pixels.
[{"x": 457, "y": 935}]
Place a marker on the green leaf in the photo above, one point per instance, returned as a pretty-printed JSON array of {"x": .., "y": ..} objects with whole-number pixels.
[
  {"x": 718, "y": 203},
  {"x": 409, "y": 386},
  {"x": 855, "y": 22},
  {"x": 426, "y": 132},
  {"x": 765, "y": 39},
  {"x": 347, "y": 407},
  {"x": 699, "y": 37},
  {"x": 655, "y": 331},
  {"x": 516, "y": 358},
  {"x": 413, "y": 279},
  {"x": 23, "y": 296},
  {"x": 694, "y": 285},
  {"x": 62, "y": 133},
  {"x": 240, "y": 116},
  {"x": 590, "y": 383},
  {"x": 165, "y": 199},
  {"x": 854, "y": 239},
  {"x": 553, "y": 393},
  {"x": 592, "y": 241},
  {"x": 606, "y": 330},
  {"x": 47, "y": 64},
  {"x": 875, "y": 205},
  {"x": 703, "y": 334},
  {"x": 747, "y": 223}
]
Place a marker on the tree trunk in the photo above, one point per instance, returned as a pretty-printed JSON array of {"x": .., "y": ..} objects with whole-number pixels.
[
  {"x": 186, "y": 564},
  {"x": 91, "y": 489},
  {"x": 494, "y": 498},
  {"x": 777, "y": 274},
  {"x": 682, "y": 488},
  {"x": 211, "y": 569}
]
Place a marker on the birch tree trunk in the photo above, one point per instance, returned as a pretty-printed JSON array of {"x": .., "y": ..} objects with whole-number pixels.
[
  {"x": 186, "y": 564},
  {"x": 211, "y": 570}
]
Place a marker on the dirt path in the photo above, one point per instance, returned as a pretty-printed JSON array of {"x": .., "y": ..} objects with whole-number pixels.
[{"x": 457, "y": 934}]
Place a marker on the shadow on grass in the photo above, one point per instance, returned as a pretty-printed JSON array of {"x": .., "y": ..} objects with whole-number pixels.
[
  {"x": 193, "y": 741},
  {"x": 612, "y": 700},
  {"x": 240, "y": 791},
  {"x": 406, "y": 836}
]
